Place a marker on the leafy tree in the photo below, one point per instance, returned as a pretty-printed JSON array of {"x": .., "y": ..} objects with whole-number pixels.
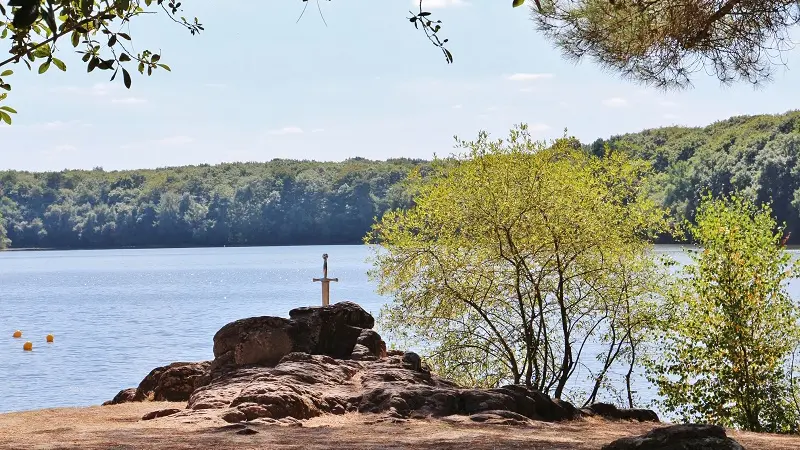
[
  {"x": 95, "y": 27},
  {"x": 727, "y": 346},
  {"x": 515, "y": 256},
  {"x": 664, "y": 42},
  {"x": 3, "y": 238}
]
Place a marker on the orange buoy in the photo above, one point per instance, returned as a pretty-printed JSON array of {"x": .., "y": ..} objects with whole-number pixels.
[
  {"x": 50, "y": 338},
  {"x": 28, "y": 346},
  {"x": 17, "y": 334}
]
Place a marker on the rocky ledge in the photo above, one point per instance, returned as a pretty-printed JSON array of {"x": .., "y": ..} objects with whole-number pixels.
[{"x": 328, "y": 360}]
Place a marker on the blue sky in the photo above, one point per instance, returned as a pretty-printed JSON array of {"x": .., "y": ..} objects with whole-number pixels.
[{"x": 256, "y": 85}]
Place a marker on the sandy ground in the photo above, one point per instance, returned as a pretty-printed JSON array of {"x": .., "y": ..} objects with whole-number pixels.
[{"x": 119, "y": 428}]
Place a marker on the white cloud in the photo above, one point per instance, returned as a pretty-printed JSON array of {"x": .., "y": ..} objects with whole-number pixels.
[
  {"x": 318, "y": 130},
  {"x": 216, "y": 85},
  {"x": 530, "y": 76},
  {"x": 615, "y": 102},
  {"x": 671, "y": 116},
  {"x": 434, "y": 4},
  {"x": 667, "y": 103},
  {"x": 492, "y": 108},
  {"x": 61, "y": 125},
  {"x": 457, "y": 106},
  {"x": 286, "y": 130},
  {"x": 64, "y": 148},
  {"x": 174, "y": 140},
  {"x": 538, "y": 127},
  {"x": 129, "y": 100},
  {"x": 97, "y": 90}
]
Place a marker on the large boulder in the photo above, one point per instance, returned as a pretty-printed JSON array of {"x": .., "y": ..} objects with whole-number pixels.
[
  {"x": 678, "y": 437},
  {"x": 610, "y": 411},
  {"x": 123, "y": 396},
  {"x": 255, "y": 340},
  {"x": 173, "y": 383},
  {"x": 333, "y": 330}
]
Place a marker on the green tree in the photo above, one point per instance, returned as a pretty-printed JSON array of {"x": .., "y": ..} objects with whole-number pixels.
[
  {"x": 97, "y": 28},
  {"x": 3, "y": 237},
  {"x": 727, "y": 346},
  {"x": 664, "y": 42},
  {"x": 514, "y": 257}
]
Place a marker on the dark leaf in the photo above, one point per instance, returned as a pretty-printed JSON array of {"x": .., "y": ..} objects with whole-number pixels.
[
  {"x": 124, "y": 57},
  {"x": 112, "y": 40},
  {"x": 518, "y": 3},
  {"x": 86, "y": 7},
  {"x": 22, "y": 3},
  {"x": 92, "y": 64},
  {"x": 126, "y": 78},
  {"x": 6, "y": 73},
  {"x": 155, "y": 58},
  {"x": 5, "y": 117},
  {"x": 50, "y": 17},
  {"x": 26, "y": 16}
]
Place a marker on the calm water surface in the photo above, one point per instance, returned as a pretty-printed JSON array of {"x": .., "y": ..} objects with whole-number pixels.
[{"x": 117, "y": 314}]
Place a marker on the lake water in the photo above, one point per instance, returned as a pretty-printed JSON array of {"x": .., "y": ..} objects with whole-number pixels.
[{"x": 117, "y": 314}]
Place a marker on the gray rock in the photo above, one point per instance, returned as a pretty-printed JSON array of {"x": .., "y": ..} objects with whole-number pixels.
[
  {"x": 124, "y": 396},
  {"x": 678, "y": 437},
  {"x": 610, "y": 411},
  {"x": 161, "y": 413}
]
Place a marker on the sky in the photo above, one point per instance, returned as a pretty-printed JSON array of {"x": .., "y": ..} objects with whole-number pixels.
[{"x": 257, "y": 85}]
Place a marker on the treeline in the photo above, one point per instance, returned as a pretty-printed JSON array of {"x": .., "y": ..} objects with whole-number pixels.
[
  {"x": 280, "y": 202},
  {"x": 286, "y": 202},
  {"x": 756, "y": 156}
]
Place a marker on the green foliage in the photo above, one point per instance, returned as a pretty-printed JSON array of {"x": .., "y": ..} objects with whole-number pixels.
[
  {"x": 514, "y": 256},
  {"x": 756, "y": 156},
  {"x": 281, "y": 202},
  {"x": 664, "y": 42},
  {"x": 33, "y": 28},
  {"x": 3, "y": 239},
  {"x": 727, "y": 346}
]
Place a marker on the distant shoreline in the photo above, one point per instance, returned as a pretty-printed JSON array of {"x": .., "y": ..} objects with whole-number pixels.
[
  {"x": 162, "y": 247},
  {"x": 165, "y": 247}
]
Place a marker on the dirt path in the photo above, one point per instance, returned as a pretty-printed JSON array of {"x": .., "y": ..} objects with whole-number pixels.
[{"x": 119, "y": 428}]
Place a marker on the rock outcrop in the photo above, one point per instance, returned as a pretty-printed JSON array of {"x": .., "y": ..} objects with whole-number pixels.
[
  {"x": 610, "y": 411},
  {"x": 303, "y": 386},
  {"x": 678, "y": 437},
  {"x": 334, "y": 330},
  {"x": 172, "y": 383},
  {"x": 328, "y": 360}
]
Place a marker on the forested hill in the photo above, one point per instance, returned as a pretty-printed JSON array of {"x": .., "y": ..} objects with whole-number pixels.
[
  {"x": 285, "y": 202},
  {"x": 280, "y": 202},
  {"x": 755, "y": 155}
]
